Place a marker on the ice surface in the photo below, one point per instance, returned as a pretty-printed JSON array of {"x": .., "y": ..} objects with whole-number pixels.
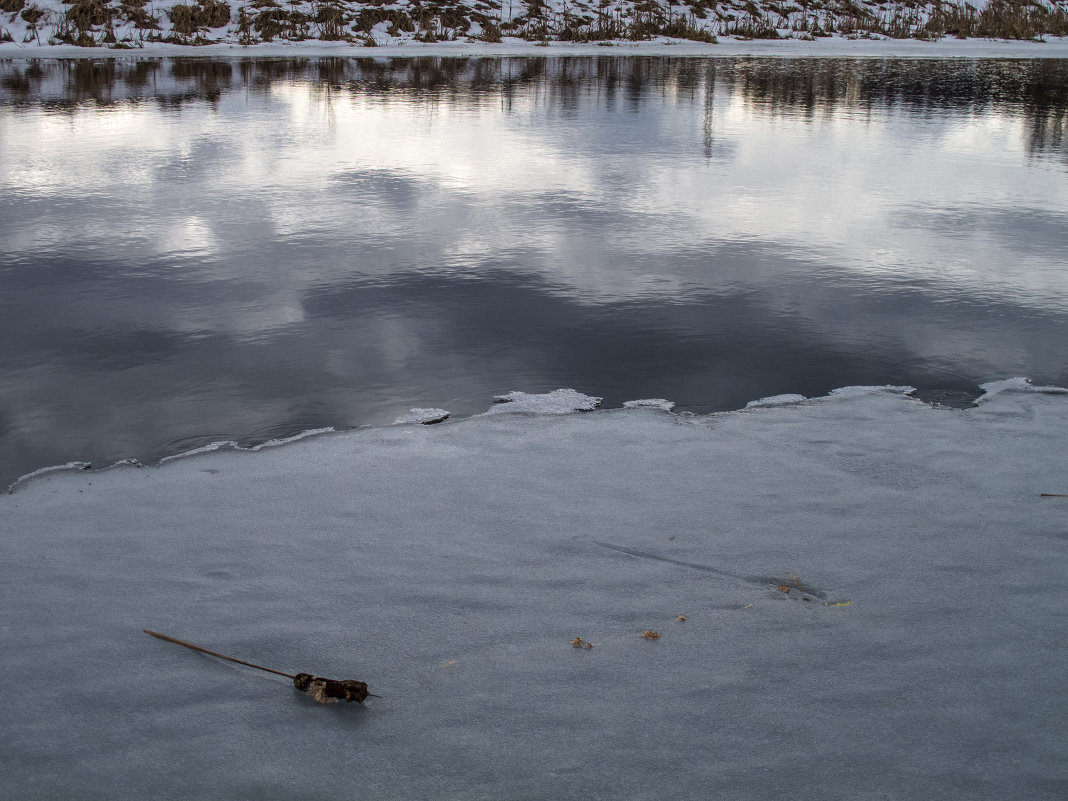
[
  {"x": 229, "y": 444},
  {"x": 857, "y": 392},
  {"x": 223, "y": 444},
  {"x": 994, "y": 388},
  {"x": 423, "y": 416},
  {"x": 650, "y": 403},
  {"x": 775, "y": 400},
  {"x": 559, "y": 401},
  {"x": 451, "y": 567},
  {"x": 50, "y": 469}
]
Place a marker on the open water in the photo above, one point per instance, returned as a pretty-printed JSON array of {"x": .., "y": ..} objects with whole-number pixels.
[{"x": 198, "y": 249}]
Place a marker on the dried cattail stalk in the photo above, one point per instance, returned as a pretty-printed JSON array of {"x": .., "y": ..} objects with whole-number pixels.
[{"x": 325, "y": 691}]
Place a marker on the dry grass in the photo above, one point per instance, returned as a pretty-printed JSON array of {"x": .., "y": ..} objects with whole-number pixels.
[
  {"x": 189, "y": 20},
  {"x": 32, "y": 14},
  {"x": 93, "y": 22},
  {"x": 332, "y": 19},
  {"x": 134, "y": 11}
]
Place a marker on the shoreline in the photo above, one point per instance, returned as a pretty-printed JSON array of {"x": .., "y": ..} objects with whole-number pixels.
[{"x": 835, "y": 47}]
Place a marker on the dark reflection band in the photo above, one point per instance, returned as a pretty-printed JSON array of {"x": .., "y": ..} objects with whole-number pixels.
[{"x": 1035, "y": 89}]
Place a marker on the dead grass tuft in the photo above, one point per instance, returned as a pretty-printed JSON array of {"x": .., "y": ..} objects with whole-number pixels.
[
  {"x": 32, "y": 14},
  {"x": 188, "y": 20}
]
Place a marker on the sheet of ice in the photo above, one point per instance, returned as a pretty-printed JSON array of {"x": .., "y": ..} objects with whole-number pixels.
[
  {"x": 50, "y": 469},
  {"x": 222, "y": 444},
  {"x": 857, "y": 392},
  {"x": 229, "y": 444},
  {"x": 650, "y": 403},
  {"x": 274, "y": 443},
  {"x": 452, "y": 566},
  {"x": 559, "y": 401},
  {"x": 994, "y": 388},
  {"x": 775, "y": 400},
  {"x": 422, "y": 416}
]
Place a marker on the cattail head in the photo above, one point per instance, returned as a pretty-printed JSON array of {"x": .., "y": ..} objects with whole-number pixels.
[{"x": 330, "y": 691}]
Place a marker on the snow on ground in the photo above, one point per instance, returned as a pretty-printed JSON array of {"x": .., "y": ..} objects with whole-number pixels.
[
  {"x": 879, "y": 28},
  {"x": 872, "y": 591},
  {"x": 836, "y": 46}
]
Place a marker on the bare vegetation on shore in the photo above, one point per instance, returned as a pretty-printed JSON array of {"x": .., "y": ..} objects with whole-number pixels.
[{"x": 133, "y": 23}]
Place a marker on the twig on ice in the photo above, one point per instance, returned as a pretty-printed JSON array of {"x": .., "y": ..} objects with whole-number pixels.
[{"x": 325, "y": 691}]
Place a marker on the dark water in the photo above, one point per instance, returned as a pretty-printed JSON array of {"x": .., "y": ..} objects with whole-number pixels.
[{"x": 200, "y": 249}]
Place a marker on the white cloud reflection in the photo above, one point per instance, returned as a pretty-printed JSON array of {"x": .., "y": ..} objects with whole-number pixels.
[{"x": 596, "y": 206}]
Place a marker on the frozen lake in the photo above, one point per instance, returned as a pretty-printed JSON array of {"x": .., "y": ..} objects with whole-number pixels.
[
  {"x": 873, "y": 594},
  {"x": 204, "y": 249}
]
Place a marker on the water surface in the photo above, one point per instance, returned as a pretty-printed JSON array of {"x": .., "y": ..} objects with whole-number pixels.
[{"x": 199, "y": 249}]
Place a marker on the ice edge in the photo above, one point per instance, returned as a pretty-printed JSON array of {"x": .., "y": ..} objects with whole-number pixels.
[
  {"x": 132, "y": 462},
  {"x": 561, "y": 402}
]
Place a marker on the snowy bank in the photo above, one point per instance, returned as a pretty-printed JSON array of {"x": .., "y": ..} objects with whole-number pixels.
[
  {"x": 91, "y": 28},
  {"x": 832, "y": 47},
  {"x": 872, "y": 591}
]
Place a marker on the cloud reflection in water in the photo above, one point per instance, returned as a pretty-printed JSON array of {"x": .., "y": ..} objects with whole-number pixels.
[{"x": 201, "y": 248}]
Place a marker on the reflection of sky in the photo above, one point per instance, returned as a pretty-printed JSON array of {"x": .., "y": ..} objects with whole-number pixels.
[
  {"x": 868, "y": 193},
  {"x": 300, "y": 255}
]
